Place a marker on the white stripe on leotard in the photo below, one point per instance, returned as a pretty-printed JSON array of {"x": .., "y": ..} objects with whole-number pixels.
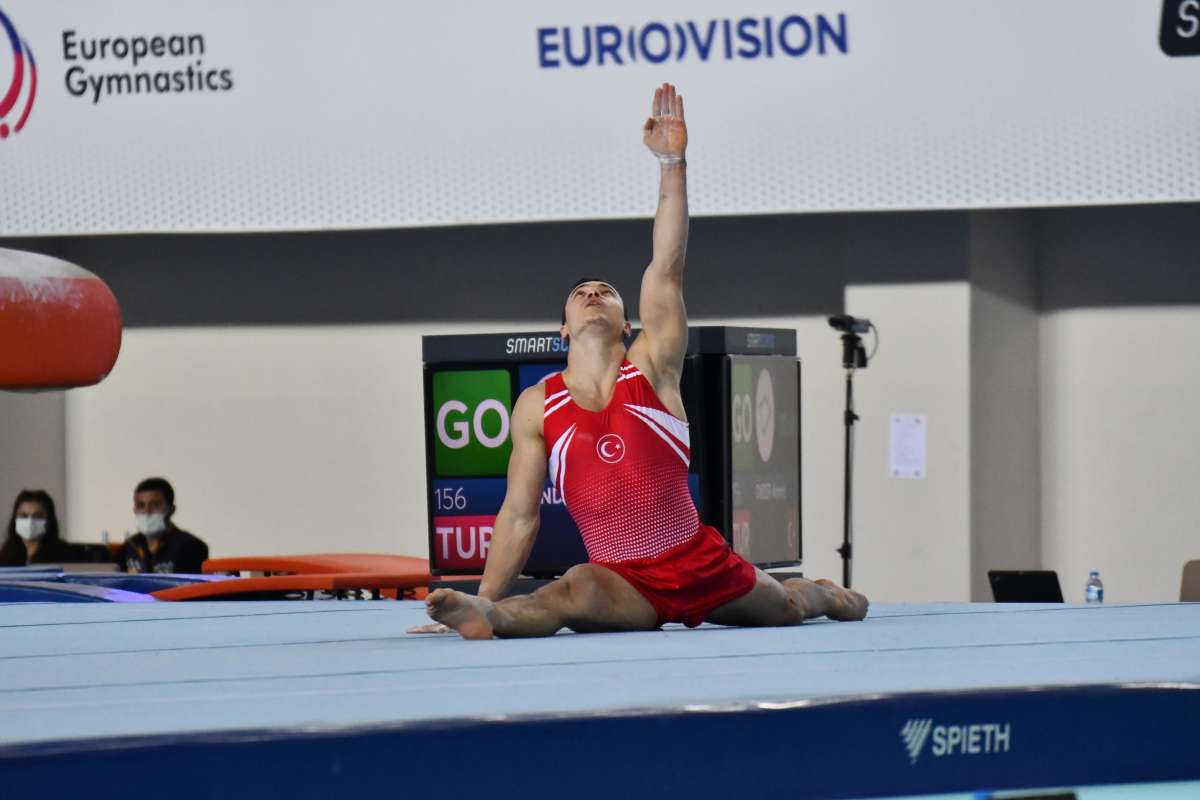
[{"x": 662, "y": 434}]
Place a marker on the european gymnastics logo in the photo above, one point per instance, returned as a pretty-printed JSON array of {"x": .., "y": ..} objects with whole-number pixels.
[{"x": 17, "y": 84}]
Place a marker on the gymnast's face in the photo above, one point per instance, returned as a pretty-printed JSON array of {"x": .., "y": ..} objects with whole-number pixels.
[{"x": 595, "y": 305}]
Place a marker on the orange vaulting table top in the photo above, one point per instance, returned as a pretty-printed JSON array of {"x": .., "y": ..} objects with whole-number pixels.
[
  {"x": 342, "y": 582},
  {"x": 321, "y": 564},
  {"x": 60, "y": 326}
]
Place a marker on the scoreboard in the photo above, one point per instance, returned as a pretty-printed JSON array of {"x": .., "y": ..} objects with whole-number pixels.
[{"x": 741, "y": 392}]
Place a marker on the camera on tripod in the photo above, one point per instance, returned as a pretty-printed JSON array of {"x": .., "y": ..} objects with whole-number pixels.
[
  {"x": 848, "y": 324},
  {"x": 854, "y": 356}
]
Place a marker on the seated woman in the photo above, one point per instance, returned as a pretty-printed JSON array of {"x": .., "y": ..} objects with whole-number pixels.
[{"x": 33, "y": 536}]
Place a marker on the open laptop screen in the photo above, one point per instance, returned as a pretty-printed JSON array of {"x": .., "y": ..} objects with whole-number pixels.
[{"x": 1025, "y": 586}]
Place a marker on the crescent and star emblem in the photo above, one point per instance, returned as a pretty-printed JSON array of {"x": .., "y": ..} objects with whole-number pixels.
[{"x": 610, "y": 448}]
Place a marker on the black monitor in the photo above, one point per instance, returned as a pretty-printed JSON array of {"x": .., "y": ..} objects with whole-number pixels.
[
  {"x": 740, "y": 390},
  {"x": 1025, "y": 586}
]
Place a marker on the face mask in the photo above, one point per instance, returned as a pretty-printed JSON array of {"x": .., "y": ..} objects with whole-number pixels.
[
  {"x": 31, "y": 527},
  {"x": 150, "y": 524}
]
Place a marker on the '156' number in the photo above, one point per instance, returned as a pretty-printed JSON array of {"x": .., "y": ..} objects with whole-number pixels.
[{"x": 449, "y": 499}]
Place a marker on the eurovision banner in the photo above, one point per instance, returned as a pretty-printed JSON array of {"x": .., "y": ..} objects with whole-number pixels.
[{"x": 228, "y": 115}]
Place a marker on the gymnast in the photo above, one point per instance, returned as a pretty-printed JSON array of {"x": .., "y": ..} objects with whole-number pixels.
[{"x": 611, "y": 431}]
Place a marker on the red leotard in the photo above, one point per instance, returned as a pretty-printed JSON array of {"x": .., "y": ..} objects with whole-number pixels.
[{"x": 623, "y": 474}]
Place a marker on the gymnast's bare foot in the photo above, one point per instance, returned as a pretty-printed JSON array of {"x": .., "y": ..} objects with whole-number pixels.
[
  {"x": 846, "y": 605},
  {"x": 465, "y": 613}
]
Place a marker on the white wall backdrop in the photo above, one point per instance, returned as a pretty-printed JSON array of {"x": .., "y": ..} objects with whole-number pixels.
[
  {"x": 286, "y": 440},
  {"x": 1120, "y": 457},
  {"x": 1006, "y": 484},
  {"x": 912, "y": 540},
  {"x": 34, "y": 448},
  {"x": 277, "y": 440},
  {"x": 1006, "y": 481}
]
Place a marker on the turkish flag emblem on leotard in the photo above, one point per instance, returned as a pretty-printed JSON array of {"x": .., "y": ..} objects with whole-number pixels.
[{"x": 610, "y": 448}]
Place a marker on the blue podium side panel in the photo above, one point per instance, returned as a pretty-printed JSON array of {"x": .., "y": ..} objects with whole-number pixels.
[{"x": 892, "y": 745}]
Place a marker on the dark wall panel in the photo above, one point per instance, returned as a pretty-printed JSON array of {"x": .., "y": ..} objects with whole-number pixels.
[
  {"x": 794, "y": 264},
  {"x": 1129, "y": 255}
]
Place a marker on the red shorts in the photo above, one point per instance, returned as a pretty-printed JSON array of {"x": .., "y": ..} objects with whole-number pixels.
[{"x": 686, "y": 583}]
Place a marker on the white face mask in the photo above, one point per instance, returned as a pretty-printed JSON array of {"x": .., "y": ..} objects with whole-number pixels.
[
  {"x": 31, "y": 527},
  {"x": 150, "y": 524}
]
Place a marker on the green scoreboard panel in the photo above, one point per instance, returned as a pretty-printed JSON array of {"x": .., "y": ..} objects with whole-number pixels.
[{"x": 471, "y": 427}]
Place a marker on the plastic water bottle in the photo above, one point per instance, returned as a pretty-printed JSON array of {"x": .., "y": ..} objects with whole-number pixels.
[{"x": 1095, "y": 589}]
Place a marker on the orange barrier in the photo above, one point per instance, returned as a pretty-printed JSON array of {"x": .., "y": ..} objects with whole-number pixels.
[
  {"x": 375, "y": 582},
  {"x": 336, "y": 564}
]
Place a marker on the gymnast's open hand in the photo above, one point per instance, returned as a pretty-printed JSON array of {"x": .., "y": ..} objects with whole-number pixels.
[
  {"x": 432, "y": 627},
  {"x": 665, "y": 132}
]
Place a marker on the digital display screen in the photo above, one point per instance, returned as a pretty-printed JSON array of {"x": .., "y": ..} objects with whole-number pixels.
[
  {"x": 741, "y": 393},
  {"x": 765, "y": 458}
]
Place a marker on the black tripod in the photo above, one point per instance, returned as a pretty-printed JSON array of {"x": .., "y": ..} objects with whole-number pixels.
[{"x": 854, "y": 357}]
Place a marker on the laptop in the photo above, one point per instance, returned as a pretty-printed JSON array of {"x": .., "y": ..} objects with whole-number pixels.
[{"x": 1025, "y": 586}]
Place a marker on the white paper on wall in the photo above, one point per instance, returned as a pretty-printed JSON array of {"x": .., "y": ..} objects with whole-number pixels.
[{"x": 906, "y": 446}]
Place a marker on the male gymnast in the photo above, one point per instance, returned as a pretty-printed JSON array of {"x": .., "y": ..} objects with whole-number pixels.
[{"x": 612, "y": 432}]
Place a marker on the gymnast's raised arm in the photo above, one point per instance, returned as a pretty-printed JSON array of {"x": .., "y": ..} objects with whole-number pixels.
[{"x": 660, "y": 348}]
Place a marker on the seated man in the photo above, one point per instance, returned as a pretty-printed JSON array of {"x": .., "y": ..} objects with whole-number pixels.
[
  {"x": 612, "y": 428},
  {"x": 159, "y": 546}
]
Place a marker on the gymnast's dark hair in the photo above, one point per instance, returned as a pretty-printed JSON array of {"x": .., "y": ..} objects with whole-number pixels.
[
  {"x": 157, "y": 485},
  {"x": 12, "y": 550},
  {"x": 579, "y": 283}
]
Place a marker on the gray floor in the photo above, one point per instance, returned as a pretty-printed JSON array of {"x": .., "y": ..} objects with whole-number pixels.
[{"x": 95, "y": 670}]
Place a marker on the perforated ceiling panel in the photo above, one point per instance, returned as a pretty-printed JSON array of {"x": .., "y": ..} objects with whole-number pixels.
[{"x": 384, "y": 114}]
